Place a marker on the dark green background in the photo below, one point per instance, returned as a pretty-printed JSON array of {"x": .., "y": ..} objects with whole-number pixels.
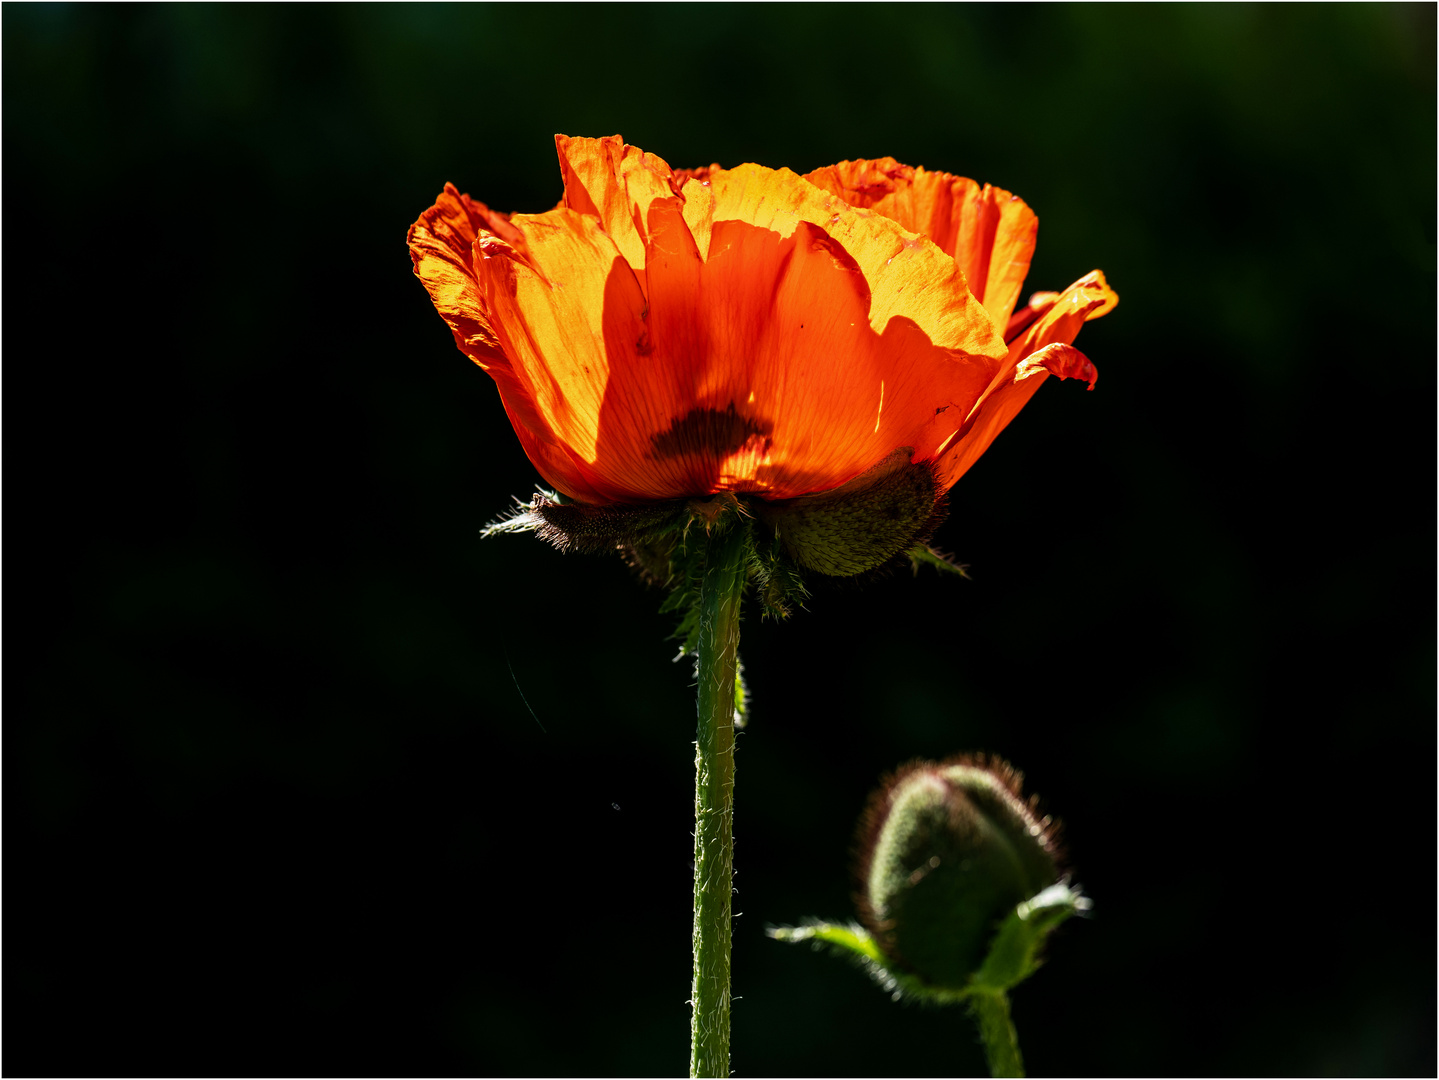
[{"x": 273, "y": 802}]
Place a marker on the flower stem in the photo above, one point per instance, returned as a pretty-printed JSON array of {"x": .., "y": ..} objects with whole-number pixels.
[
  {"x": 1001, "y": 1043},
  {"x": 717, "y": 657}
]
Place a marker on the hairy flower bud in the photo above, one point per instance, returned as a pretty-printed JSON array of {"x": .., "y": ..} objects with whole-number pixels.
[{"x": 946, "y": 852}]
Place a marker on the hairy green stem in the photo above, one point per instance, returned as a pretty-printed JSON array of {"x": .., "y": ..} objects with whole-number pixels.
[
  {"x": 717, "y": 657},
  {"x": 1001, "y": 1043}
]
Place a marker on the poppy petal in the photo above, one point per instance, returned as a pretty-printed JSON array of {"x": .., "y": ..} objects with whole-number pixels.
[
  {"x": 1043, "y": 348},
  {"x": 441, "y": 248},
  {"x": 551, "y": 297},
  {"x": 1090, "y": 291},
  {"x": 907, "y": 274},
  {"x": 759, "y": 369},
  {"x": 1038, "y": 304},
  {"x": 990, "y": 232},
  {"x": 996, "y": 243},
  {"x": 440, "y": 243},
  {"x": 1059, "y": 359},
  {"x": 616, "y": 183}
]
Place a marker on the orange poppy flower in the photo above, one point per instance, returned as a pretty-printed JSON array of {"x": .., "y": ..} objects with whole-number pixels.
[{"x": 667, "y": 334}]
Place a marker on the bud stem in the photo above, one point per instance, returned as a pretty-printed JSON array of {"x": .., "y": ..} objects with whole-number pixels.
[
  {"x": 717, "y": 654},
  {"x": 990, "y": 1010}
]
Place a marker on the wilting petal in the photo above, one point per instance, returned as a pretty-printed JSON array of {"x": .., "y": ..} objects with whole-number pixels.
[
  {"x": 1041, "y": 349},
  {"x": 990, "y": 232},
  {"x": 1058, "y": 359}
]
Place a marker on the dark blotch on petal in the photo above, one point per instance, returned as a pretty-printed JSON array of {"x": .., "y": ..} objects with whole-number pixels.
[{"x": 708, "y": 433}]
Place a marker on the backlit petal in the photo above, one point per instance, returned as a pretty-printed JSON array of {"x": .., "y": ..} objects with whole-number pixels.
[
  {"x": 907, "y": 274},
  {"x": 562, "y": 302},
  {"x": 990, "y": 232},
  {"x": 776, "y": 380},
  {"x": 1059, "y": 359},
  {"x": 1043, "y": 348},
  {"x": 755, "y": 370},
  {"x": 1038, "y": 304},
  {"x": 440, "y": 243},
  {"x": 442, "y": 249},
  {"x": 617, "y": 184}
]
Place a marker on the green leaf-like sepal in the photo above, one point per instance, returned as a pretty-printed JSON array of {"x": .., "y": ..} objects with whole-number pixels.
[
  {"x": 1014, "y": 951},
  {"x": 924, "y": 555},
  {"x": 1012, "y": 957},
  {"x": 853, "y": 942}
]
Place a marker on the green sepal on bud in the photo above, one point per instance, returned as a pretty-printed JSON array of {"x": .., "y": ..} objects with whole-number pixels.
[
  {"x": 959, "y": 886},
  {"x": 1013, "y": 956}
]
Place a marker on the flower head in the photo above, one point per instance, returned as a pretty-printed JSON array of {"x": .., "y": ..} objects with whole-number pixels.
[{"x": 667, "y": 334}]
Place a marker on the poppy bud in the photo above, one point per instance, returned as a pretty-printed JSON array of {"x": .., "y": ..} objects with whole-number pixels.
[{"x": 946, "y": 853}]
